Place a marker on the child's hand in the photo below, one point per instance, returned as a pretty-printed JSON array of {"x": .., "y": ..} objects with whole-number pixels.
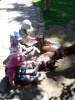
[
  {"x": 34, "y": 63},
  {"x": 17, "y": 87}
]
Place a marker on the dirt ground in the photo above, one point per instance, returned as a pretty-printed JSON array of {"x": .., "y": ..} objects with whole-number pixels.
[{"x": 59, "y": 84}]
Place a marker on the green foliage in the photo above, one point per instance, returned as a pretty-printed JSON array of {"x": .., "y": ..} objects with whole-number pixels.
[
  {"x": 63, "y": 11},
  {"x": 63, "y": 39}
]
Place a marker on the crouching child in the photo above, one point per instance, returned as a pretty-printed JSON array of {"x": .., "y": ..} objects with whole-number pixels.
[{"x": 19, "y": 75}]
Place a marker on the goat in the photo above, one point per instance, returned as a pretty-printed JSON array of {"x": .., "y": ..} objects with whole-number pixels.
[
  {"x": 65, "y": 51},
  {"x": 53, "y": 57},
  {"x": 58, "y": 52},
  {"x": 47, "y": 50},
  {"x": 46, "y": 46},
  {"x": 45, "y": 62}
]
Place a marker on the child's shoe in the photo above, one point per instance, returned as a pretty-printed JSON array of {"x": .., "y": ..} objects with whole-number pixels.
[
  {"x": 35, "y": 79},
  {"x": 35, "y": 70},
  {"x": 40, "y": 76}
]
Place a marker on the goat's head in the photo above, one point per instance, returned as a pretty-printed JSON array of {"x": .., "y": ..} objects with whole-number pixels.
[
  {"x": 42, "y": 66},
  {"x": 64, "y": 51},
  {"x": 40, "y": 37},
  {"x": 51, "y": 64},
  {"x": 58, "y": 54}
]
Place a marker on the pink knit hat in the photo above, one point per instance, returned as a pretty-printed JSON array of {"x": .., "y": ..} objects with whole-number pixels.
[{"x": 15, "y": 59}]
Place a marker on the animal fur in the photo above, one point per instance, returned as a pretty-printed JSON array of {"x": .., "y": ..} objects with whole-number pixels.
[
  {"x": 64, "y": 51},
  {"x": 45, "y": 62},
  {"x": 46, "y": 46}
]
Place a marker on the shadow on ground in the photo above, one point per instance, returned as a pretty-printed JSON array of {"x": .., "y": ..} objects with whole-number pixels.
[
  {"x": 68, "y": 91},
  {"x": 67, "y": 73},
  {"x": 27, "y": 92}
]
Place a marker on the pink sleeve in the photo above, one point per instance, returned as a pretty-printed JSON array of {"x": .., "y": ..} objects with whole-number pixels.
[{"x": 11, "y": 72}]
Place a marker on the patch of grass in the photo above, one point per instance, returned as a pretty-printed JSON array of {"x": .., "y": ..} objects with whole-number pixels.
[
  {"x": 74, "y": 29},
  {"x": 63, "y": 39},
  {"x": 63, "y": 11}
]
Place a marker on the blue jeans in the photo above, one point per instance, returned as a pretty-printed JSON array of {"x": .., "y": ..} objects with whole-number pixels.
[{"x": 20, "y": 77}]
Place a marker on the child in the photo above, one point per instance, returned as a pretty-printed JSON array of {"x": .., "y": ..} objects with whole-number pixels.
[
  {"x": 15, "y": 46},
  {"x": 25, "y": 31},
  {"x": 17, "y": 74}
]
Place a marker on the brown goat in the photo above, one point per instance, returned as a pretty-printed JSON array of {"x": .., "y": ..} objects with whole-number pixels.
[
  {"x": 44, "y": 45},
  {"x": 45, "y": 62},
  {"x": 47, "y": 50},
  {"x": 65, "y": 51},
  {"x": 49, "y": 54}
]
